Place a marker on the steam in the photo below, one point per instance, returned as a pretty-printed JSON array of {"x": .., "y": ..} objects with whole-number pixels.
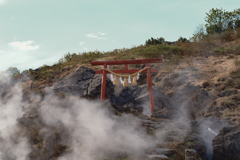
[
  {"x": 94, "y": 131},
  {"x": 11, "y": 109},
  {"x": 212, "y": 131},
  {"x": 208, "y": 129}
]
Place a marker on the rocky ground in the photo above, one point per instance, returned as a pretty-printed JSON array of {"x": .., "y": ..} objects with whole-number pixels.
[{"x": 197, "y": 107}]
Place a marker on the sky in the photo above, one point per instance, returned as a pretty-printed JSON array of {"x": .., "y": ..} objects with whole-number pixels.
[{"x": 38, "y": 32}]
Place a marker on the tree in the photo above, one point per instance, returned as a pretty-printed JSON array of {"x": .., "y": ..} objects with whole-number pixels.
[
  {"x": 214, "y": 21},
  {"x": 219, "y": 20},
  {"x": 181, "y": 39},
  {"x": 153, "y": 41},
  {"x": 199, "y": 33},
  {"x": 12, "y": 71}
]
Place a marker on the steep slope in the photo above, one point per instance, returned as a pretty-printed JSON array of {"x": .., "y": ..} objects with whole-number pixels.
[{"x": 55, "y": 121}]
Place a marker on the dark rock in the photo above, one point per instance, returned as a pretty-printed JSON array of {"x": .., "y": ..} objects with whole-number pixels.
[
  {"x": 174, "y": 76},
  {"x": 142, "y": 79},
  {"x": 221, "y": 79},
  {"x": 205, "y": 84},
  {"x": 165, "y": 79},
  {"x": 143, "y": 76},
  {"x": 127, "y": 95},
  {"x": 84, "y": 83},
  {"x": 181, "y": 80},
  {"x": 193, "y": 75},
  {"x": 198, "y": 101},
  {"x": 194, "y": 69},
  {"x": 164, "y": 113},
  {"x": 218, "y": 84},
  {"x": 171, "y": 94},
  {"x": 158, "y": 79},
  {"x": 189, "y": 88},
  {"x": 191, "y": 154},
  {"x": 137, "y": 96},
  {"x": 226, "y": 145},
  {"x": 135, "y": 109},
  {"x": 227, "y": 93},
  {"x": 185, "y": 91},
  {"x": 237, "y": 86}
]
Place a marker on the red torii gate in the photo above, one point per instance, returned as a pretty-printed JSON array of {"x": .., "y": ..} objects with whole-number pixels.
[{"x": 126, "y": 62}]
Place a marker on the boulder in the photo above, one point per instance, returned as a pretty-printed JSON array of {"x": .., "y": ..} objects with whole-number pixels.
[
  {"x": 226, "y": 145},
  {"x": 83, "y": 82},
  {"x": 227, "y": 93},
  {"x": 158, "y": 79}
]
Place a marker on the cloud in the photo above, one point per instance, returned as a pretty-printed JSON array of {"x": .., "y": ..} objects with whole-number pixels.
[
  {"x": 91, "y": 35},
  {"x": 85, "y": 48},
  {"x": 101, "y": 33},
  {"x": 24, "y": 46},
  {"x": 81, "y": 43},
  {"x": 96, "y": 35}
]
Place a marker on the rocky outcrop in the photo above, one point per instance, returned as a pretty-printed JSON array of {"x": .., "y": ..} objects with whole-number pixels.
[
  {"x": 136, "y": 95},
  {"x": 83, "y": 82},
  {"x": 137, "y": 98},
  {"x": 205, "y": 130},
  {"x": 227, "y": 93},
  {"x": 226, "y": 145}
]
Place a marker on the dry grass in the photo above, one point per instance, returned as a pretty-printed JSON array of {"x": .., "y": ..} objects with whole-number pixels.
[{"x": 231, "y": 112}]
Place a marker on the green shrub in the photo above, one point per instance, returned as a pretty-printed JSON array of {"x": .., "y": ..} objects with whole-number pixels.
[
  {"x": 175, "y": 59},
  {"x": 219, "y": 50}
]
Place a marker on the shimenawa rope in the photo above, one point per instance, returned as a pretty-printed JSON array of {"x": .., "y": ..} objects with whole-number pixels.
[{"x": 125, "y": 76}]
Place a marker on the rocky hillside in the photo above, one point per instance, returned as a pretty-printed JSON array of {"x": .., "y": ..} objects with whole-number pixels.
[{"x": 197, "y": 114}]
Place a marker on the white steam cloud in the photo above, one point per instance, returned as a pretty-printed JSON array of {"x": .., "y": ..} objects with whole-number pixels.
[
  {"x": 95, "y": 131},
  {"x": 11, "y": 109}
]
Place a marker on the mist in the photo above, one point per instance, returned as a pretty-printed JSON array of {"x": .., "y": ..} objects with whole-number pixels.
[{"x": 89, "y": 129}]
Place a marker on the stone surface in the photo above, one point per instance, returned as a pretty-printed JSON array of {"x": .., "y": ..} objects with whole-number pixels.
[
  {"x": 139, "y": 96},
  {"x": 83, "y": 82},
  {"x": 191, "y": 154},
  {"x": 227, "y": 93},
  {"x": 226, "y": 145},
  {"x": 158, "y": 79}
]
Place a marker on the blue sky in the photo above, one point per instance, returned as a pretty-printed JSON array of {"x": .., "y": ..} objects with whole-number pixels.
[{"x": 38, "y": 32}]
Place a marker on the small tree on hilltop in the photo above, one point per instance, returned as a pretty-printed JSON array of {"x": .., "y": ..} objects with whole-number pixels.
[
  {"x": 199, "y": 33},
  {"x": 12, "y": 71},
  {"x": 219, "y": 20},
  {"x": 153, "y": 41}
]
